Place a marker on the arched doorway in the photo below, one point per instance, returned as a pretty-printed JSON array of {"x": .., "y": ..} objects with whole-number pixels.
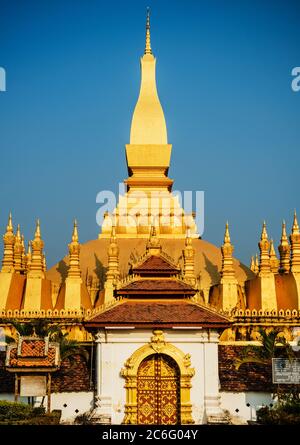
[
  {"x": 179, "y": 362},
  {"x": 158, "y": 391}
]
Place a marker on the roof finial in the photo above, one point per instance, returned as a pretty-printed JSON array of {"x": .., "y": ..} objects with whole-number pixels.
[
  {"x": 74, "y": 251},
  {"x": 75, "y": 232},
  {"x": 227, "y": 271},
  {"x": 284, "y": 251},
  {"x": 227, "y": 235},
  {"x": 36, "y": 265},
  {"x": 37, "y": 233},
  {"x": 264, "y": 235},
  {"x": 9, "y": 227},
  {"x": 295, "y": 228},
  {"x": 148, "y": 49}
]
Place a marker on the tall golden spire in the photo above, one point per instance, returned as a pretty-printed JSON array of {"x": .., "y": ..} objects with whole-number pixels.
[
  {"x": 274, "y": 262},
  {"x": 148, "y": 126},
  {"x": 295, "y": 228},
  {"x": 227, "y": 234},
  {"x": 75, "y": 232},
  {"x": 37, "y": 262},
  {"x": 264, "y": 235},
  {"x": 74, "y": 298},
  {"x": 227, "y": 252},
  {"x": 229, "y": 289},
  {"x": 148, "y": 49},
  {"x": 18, "y": 250},
  {"x": 9, "y": 241},
  {"x": 295, "y": 245},
  {"x": 264, "y": 247},
  {"x": 284, "y": 251},
  {"x": 189, "y": 260},
  {"x": 74, "y": 251}
]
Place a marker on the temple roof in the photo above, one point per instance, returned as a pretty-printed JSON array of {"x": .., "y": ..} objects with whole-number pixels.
[
  {"x": 157, "y": 286},
  {"x": 155, "y": 264},
  {"x": 158, "y": 313},
  {"x": 32, "y": 353}
]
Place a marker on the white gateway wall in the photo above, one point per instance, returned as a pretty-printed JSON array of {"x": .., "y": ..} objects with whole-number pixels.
[
  {"x": 121, "y": 344},
  {"x": 244, "y": 405}
]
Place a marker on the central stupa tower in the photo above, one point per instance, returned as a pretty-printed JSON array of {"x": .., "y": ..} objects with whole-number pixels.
[{"x": 148, "y": 200}]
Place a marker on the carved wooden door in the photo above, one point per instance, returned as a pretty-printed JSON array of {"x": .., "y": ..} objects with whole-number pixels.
[{"x": 158, "y": 392}]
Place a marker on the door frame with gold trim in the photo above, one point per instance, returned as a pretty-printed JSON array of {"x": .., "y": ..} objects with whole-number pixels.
[{"x": 130, "y": 373}]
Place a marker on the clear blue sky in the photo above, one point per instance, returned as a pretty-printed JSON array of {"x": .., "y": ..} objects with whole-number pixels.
[{"x": 224, "y": 80}]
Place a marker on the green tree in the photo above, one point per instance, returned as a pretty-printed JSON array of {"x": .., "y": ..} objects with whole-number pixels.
[{"x": 271, "y": 345}]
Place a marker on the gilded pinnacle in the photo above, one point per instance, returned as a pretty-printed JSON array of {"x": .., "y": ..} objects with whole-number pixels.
[
  {"x": 227, "y": 235},
  {"x": 295, "y": 228},
  {"x": 284, "y": 238},
  {"x": 37, "y": 229},
  {"x": 9, "y": 227},
  {"x": 264, "y": 235},
  {"x": 18, "y": 233},
  {"x": 272, "y": 249},
  {"x": 75, "y": 232},
  {"x": 148, "y": 49}
]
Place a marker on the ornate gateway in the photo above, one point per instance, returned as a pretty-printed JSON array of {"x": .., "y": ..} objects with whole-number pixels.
[
  {"x": 158, "y": 395},
  {"x": 158, "y": 382}
]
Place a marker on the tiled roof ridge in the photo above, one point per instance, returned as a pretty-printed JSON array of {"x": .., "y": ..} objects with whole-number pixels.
[
  {"x": 143, "y": 312},
  {"x": 106, "y": 307},
  {"x": 212, "y": 309},
  {"x": 145, "y": 256}
]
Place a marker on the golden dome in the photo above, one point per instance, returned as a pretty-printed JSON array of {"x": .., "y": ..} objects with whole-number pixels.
[{"x": 94, "y": 259}]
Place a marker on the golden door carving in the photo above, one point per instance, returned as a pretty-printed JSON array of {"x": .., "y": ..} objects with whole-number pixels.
[{"x": 158, "y": 391}]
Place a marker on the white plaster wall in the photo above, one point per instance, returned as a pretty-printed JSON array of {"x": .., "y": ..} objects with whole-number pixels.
[
  {"x": 81, "y": 401},
  {"x": 232, "y": 401},
  {"x": 122, "y": 344}
]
